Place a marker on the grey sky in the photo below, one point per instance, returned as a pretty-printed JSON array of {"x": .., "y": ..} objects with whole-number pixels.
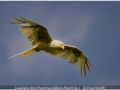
[{"x": 94, "y": 27}]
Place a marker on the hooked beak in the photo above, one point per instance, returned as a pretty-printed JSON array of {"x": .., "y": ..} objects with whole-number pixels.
[{"x": 63, "y": 47}]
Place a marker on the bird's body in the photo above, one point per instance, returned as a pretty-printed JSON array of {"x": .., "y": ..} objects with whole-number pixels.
[{"x": 41, "y": 41}]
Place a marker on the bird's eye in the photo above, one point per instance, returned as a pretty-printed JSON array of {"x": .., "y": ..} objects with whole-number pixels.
[{"x": 61, "y": 44}]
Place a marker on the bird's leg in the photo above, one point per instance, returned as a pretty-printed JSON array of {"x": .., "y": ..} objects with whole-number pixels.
[{"x": 37, "y": 47}]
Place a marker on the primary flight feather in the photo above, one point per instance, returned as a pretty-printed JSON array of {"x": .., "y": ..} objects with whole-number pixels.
[{"x": 41, "y": 41}]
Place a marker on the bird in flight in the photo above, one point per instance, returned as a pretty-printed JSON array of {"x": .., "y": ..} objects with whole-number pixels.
[{"x": 41, "y": 41}]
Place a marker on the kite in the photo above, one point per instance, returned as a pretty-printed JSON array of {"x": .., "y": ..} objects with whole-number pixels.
[{"x": 41, "y": 41}]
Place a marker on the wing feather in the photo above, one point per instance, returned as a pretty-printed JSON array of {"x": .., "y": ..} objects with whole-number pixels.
[
  {"x": 74, "y": 56},
  {"x": 33, "y": 31}
]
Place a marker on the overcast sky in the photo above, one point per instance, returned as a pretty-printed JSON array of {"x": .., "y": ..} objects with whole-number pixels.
[{"x": 94, "y": 27}]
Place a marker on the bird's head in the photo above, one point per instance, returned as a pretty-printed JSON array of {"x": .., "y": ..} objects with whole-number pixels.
[{"x": 57, "y": 43}]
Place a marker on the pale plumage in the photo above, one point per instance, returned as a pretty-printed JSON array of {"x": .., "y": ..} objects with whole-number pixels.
[{"x": 41, "y": 41}]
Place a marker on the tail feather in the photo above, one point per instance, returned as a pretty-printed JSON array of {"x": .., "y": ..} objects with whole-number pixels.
[{"x": 26, "y": 53}]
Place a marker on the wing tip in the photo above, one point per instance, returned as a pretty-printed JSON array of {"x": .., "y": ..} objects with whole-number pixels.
[{"x": 20, "y": 17}]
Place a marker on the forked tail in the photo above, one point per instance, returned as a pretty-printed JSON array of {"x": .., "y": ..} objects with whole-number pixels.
[{"x": 26, "y": 53}]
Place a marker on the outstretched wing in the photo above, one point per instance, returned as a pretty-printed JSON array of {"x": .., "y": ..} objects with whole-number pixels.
[
  {"x": 33, "y": 31},
  {"x": 74, "y": 56}
]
